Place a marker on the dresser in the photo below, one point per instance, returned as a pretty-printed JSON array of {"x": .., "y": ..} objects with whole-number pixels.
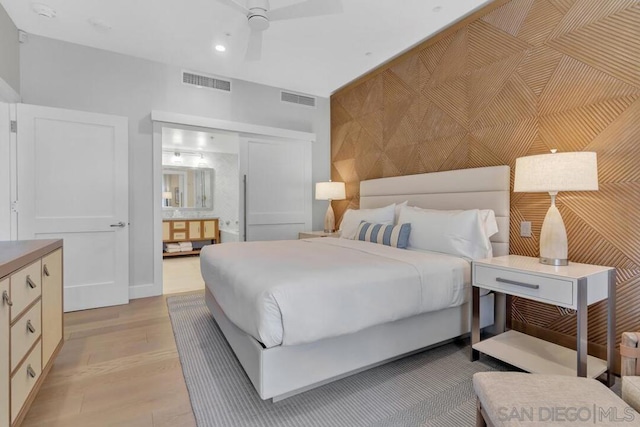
[
  {"x": 31, "y": 322},
  {"x": 190, "y": 230}
]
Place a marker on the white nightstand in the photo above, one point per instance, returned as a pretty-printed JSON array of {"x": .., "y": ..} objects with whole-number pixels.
[
  {"x": 575, "y": 286},
  {"x": 312, "y": 234}
]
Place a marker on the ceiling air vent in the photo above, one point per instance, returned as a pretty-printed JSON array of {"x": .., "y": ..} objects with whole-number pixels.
[
  {"x": 294, "y": 98},
  {"x": 205, "y": 81}
]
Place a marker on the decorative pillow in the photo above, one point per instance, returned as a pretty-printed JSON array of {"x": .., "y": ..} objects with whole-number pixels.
[
  {"x": 459, "y": 233},
  {"x": 399, "y": 207},
  {"x": 385, "y": 234},
  {"x": 352, "y": 218}
]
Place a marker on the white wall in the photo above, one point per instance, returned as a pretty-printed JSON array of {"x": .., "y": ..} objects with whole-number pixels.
[
  {"x": 60, "y": 74},
  {"x": 9, "y": 58}
]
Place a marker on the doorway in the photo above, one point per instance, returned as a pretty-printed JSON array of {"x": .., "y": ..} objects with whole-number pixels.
[{"x": 200, "y": 200}]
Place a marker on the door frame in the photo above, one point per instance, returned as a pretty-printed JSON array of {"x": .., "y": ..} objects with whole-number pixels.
[{"x": 161, "y": 119}]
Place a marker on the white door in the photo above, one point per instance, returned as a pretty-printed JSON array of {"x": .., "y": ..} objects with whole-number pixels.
[
  {"x": 5, "y": 172},
  {"x": 275, "y": 179},
  {"x": 73, "y": 184}
]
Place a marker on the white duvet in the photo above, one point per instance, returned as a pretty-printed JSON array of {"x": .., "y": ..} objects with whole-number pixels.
[{"x": 299, "y": 291}]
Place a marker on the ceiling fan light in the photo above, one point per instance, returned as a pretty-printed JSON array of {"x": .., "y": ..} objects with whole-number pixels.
[{"x": 258, "y": 21}]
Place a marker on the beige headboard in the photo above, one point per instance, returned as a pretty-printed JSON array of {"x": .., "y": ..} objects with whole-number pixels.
[{"x": 479, "y": 188}]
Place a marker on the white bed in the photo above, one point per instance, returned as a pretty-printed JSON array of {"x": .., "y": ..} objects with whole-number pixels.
[{"x": 288, "y": 342}]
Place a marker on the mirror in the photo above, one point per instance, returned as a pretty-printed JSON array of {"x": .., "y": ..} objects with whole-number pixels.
[{"x": 187, "y": 188}]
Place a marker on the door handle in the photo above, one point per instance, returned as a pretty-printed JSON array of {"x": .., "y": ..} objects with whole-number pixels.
[{"x": 120, "y": 225}]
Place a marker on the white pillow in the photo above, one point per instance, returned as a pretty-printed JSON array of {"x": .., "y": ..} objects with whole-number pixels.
[
  {"x": 399, "y": 207},
  {"x": 459, "y": 233},
  {"x": 352, "y": 218}
]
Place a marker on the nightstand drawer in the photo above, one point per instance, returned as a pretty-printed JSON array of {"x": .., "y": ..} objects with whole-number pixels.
[
  {"x": 24, "y": 333},
  {"x": 542, "y": 288},
  {"x": 25, "y": 287}
]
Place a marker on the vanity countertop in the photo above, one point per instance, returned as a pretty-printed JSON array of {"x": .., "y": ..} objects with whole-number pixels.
[{"x": 191, "y": 219}]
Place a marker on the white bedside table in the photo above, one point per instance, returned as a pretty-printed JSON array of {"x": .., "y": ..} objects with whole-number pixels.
[
  {"x": 575, "y": 286},
  {"x": 312, "y": 234}
]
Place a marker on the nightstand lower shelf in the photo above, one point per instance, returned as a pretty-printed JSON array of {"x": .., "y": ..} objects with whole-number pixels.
[{"x": 537, "y": 356}]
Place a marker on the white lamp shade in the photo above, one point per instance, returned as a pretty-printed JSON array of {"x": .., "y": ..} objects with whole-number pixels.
[
  {"x": 330, "y": 191},
  {"x": 167, "y": 195},
  {"x": 575, "y": 171}
]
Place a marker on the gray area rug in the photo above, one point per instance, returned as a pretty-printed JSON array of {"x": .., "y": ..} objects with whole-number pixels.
[{"x": 432, "y": 388}]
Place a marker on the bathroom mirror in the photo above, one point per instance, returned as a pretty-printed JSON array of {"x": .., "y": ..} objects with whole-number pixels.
[{"x": 187, "y": 188}]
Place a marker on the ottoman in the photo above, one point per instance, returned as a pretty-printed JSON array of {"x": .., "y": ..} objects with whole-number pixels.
[{"x": 520, "y": 399}]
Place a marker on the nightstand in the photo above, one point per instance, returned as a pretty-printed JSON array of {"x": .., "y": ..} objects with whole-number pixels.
[
  {"x": 575, "y": 286},
  {"x": 312, "y": 234}
]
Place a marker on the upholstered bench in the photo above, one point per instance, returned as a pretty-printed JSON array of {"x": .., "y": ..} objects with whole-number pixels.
[{"x": 520, "y": 399}]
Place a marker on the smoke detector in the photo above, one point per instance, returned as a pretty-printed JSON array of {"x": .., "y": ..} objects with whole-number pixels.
[{"x": 43, "y": 10}]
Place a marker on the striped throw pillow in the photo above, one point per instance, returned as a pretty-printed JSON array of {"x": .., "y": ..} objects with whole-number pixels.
[{"x": 390, "y": 235}]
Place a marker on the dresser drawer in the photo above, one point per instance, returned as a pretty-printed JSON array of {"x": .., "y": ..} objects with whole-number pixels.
[
  {"x": 542, "y": 288},
  {"x": 25, "y": 288},
  {"x": 180, "y": 236},
  {"x": 21, "y": 336},
  {"x": 179, "y": 225},
  {"x": 24, "y": 380}
]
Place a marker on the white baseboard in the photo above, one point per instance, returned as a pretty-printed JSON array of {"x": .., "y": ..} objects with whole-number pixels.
[{"x": 144, "y": 291}]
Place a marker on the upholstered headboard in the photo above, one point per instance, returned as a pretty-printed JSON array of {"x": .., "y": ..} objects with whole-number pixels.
[{"x": 479, "y": 188}]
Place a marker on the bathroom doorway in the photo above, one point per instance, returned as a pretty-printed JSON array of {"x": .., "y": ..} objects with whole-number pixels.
[{"x": 200, "y": 200}]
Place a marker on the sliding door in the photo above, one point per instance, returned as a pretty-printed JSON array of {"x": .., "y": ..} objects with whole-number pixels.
[
  {"x": 275, "y": 180},
  {"x": 72, "y": 172}
]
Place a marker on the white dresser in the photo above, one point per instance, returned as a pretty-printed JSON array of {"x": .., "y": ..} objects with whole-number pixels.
[{"x": 31, "y": 325}]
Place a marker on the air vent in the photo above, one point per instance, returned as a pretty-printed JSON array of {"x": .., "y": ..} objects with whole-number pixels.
[
  {"x": 307, "y": 101},
  {"x": 205, "y": 81}
]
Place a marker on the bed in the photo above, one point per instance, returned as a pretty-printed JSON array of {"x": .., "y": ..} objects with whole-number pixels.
[{"x": 288, "y": 344}]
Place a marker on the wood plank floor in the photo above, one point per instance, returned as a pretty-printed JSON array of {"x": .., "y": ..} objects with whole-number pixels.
[{"x": 119, "y": 366}]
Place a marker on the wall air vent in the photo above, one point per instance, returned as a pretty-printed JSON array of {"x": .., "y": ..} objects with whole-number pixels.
[
  {"x": 294, "y": 98},
  {"x": 205, "y": 81}
]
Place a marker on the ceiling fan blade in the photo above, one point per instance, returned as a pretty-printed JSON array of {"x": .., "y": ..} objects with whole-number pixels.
[
  {"x": 306, "y": 9},
  {"x": 254, "y": 48},
  {"x": 235, "y": 5}
]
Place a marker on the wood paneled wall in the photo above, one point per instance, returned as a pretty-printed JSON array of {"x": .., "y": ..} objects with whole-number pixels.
[{"x": 518, "y": 78}]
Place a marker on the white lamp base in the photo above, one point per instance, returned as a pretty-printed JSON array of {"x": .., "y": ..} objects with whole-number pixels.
[
  {"x": 329, "y": 220},
  {"x": 553, "y": 237}
]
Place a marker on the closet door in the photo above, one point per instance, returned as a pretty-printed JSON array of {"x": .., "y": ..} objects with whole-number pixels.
[
  {"x": 276, "y": 181},
  {"x": 73, "y": 175}
]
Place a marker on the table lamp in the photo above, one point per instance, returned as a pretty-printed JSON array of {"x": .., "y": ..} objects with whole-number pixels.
[
  {"x": 575, "y": 171},
  {"x": 167, "y": 195},
  {"x": 330, "y": 191}
]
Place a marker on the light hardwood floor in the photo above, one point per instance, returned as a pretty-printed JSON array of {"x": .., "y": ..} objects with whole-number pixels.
[
  {"x": 118, "y": 367},
  {"x": 181, "y": 274}
]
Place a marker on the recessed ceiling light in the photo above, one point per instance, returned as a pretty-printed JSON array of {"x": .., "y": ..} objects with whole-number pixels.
[
  {"x": 43, "y": 10},
  {"x": 437, "y": 9},
  {"x": 220, "y": 48}
]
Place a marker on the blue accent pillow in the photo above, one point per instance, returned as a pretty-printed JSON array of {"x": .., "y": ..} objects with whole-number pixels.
[{"x": 385, "y": 234}]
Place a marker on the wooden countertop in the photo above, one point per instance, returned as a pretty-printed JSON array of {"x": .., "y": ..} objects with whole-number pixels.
[
  {"x": 18, "y": 253},
  {"x": 191, "y": 219}
]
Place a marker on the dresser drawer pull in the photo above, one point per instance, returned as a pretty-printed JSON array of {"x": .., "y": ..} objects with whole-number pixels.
[
  {"x": 6, "y": 299},
  {"x": 31, "y": 372},
  {"x": 513, "y": 282},
  {"x": 45, "y": 270},
  {"x": 30, "y": 327},
  {"x": 31, "y": 283}
]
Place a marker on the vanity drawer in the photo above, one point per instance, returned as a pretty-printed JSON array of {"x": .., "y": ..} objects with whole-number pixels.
[
  {"x": 542, "y": 288},
  {"x": 179, "y": 225},
  {"x": 21, "y": 336},
  {"x": 24, "y": 379},
  {"x": 180, "y": 236},
  {"x": 25, "y": 288}
]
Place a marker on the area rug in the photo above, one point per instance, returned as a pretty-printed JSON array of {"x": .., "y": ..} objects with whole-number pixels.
[{"x": 432, "y": 388}]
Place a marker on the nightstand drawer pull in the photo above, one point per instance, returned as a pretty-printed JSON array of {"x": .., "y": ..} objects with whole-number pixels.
[
  {"x": 31, "y": 283},
  {"x": 513, "y": 282},
  {"x": 31, "y": 372}
]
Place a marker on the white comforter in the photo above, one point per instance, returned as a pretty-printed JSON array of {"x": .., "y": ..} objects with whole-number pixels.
[{"x": 298, "y": 291}]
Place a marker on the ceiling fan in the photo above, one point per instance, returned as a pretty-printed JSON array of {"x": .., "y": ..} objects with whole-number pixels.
[{"x": 260, "y": 15}]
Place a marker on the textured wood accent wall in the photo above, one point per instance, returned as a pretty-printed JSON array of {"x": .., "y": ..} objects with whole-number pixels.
[{"x": 519, "y": 79}]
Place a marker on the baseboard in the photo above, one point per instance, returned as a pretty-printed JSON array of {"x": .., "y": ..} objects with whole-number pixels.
[{"x": 144, "y": 291}]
